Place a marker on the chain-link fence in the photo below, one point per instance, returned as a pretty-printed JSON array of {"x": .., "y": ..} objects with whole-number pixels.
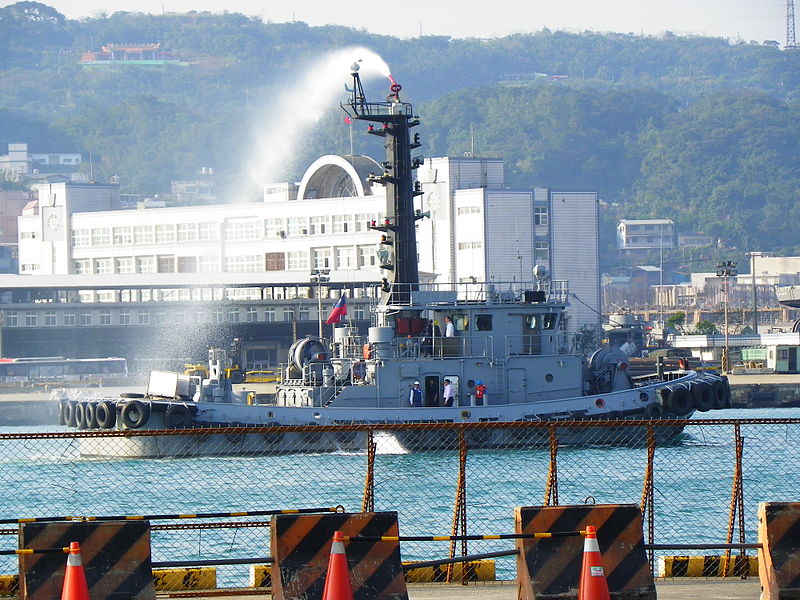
[{"x": 698, "y": 481}]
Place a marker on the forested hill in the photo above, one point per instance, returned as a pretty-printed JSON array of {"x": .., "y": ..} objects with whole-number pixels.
[{"x": 700, "y": 130}]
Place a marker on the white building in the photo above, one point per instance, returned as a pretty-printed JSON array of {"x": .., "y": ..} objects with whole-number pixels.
[
  {"x": 645, "y": 234},
  {"x": 477, "y": 229},
  {"x": 20, "y": 161}
]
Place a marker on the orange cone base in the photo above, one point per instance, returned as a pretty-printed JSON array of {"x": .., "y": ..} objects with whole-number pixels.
[
  {"x": 337, "y": 581},
  {"x": 593, "y": 580},
  {"x": 75, "y": 587}
]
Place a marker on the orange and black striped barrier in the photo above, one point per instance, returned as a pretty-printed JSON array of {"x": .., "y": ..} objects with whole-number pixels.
[
  {"x": 115, "y": 554},
  {"x": 779, "y": 555},
  {"x": 301, "y": 547},
  {"x": 458, "y": 538},
  {"x": 209, "y": 515},
  {"x": 550, "y": 568}
]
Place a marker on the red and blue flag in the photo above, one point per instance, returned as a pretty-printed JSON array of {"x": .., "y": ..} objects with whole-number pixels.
[{"x": 338, "y": 311}]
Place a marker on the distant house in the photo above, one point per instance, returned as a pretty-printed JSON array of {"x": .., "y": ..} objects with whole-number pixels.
[
  {"x": 130, "y": 54},
  {"x": 20, "y": 161},
  {"x": 645, "y": 234},
  {"x": 694, "y": 239}
]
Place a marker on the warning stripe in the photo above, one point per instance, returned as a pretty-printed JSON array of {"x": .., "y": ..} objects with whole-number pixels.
[
  {"x": 456, "y": 538},
  {"x": 301, "y": 547},
  {"x": 552, "y": 566},
  {"x": 707, "y": 566},
  {"x": 64, "y": 550},
  {"x": 782, "y": 522},
  {"x": 211, "y": 515},
  {"x": 115, "y": 554}
]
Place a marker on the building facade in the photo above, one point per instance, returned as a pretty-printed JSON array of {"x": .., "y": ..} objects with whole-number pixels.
[{"x": 645, "y": 234}]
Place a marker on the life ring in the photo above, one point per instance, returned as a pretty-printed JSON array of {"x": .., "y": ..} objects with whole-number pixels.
[
  {"x": 653, "y": 411},
  {"x": 106, "y": 414},
  {"x": 680, "y": 401},
  {"x": 131, "y": 395},
  {"x": 703, "y": 397},
  {"x": 90, "y": 415},
  {"x": 135, "y": 414},
  {"x": 366, "y": 352},
  {"x": 177, "y": 416},
  {"x": 80, "y": 415},
  {"x": 69, "y": 413}
]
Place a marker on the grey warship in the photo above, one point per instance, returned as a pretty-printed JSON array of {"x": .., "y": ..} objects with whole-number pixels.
[{"x": 505, "y": 356}]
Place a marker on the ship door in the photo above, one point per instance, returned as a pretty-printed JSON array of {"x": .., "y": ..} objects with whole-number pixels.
[
  {"x": 431, "y": 393},
  {"x": 516, "y": 386},
  {"x": 793, "y": 359},
  {"x": 531, "y": 335}
]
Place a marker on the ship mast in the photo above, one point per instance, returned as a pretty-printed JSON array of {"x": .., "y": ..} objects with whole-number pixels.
[{"x": 398, "y": 250}]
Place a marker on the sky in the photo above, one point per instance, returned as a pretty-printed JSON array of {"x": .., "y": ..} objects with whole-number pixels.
[{"x": 746, "y": 20}]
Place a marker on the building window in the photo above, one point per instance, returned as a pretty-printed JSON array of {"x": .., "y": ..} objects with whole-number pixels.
[
  {"x": 187, "y": 264},
  {"x": 363, "y": 220},
  {"x": 275, "y": 261},
  {"x": 28, "y": 268},
  {"x": 124, "y": 317},
  {"x": 123, "y": 236},
  {"x": 82, "y": 266},
  {"x": 297, "y": 260},
  {"x": 208, "y": 232},
  {"x": 217, "y": 316},
  {"x": 367, "y": 256},
  {"x": 179, "y": 318},
  {"x": 319, "y": 226},
  {"x": 288, "y": 314},
  {"x": 101, "y": 236},
  {"x": 297, "y": 226},
  {"x": 144, "y": 317},
  {"x": 103, "y": 266},
  {"x": 166, "y": 263},
  {"x": 468, "y": 210},
  {"x": 540, "y": 215},
  {"x": 252, "y": 314},
  {"x": 269, "y": 314},
  {"x": 165, "y": 233},
  {"x": 470, "y": 245},
  {"x": 321, "y": 258},
  {"x": 143, "y": 234},
  {"x": 161, "y": 318},
  {"x": 273, "y": 228},
  {"x": 50, "y": 318},
  {"x": 342, "y": 223},
  {"x": 241, "y": 230},
  {"x": 305, "y": 314},
  {"x": 541, "y": 252},
  {"x": 69, "y": 319},
  {"x": 81, "y": 238},
  {"x": 209, "y": 264},
  {"x": 12, "y": 319},
  {"x": 233, "y": 315},
  {"x": 124, "y": 264},
  {"x": 244, "y": 264},
  {"x": 105, "y": 317},
  {"x": 86, "y": 318},
  {"x": 358, "y": 313},
  {"x": 30, "y": 319},
  {"x": 145, "y": 264},
  {"x": 345, "y": 257},
  {"x": 187, "y": 232}
]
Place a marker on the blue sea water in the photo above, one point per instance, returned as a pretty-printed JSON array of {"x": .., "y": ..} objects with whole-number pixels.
[{"x": 692, "y": 477}]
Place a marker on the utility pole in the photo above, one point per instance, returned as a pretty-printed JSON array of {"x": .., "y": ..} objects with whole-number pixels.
[
  {"x": 791, "y": 41},
  {"x": 726, "y": 270},
  {"x": 753, "y": 256}
]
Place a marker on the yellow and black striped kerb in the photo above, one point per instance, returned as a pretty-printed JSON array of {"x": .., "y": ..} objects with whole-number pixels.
[
  {"x": 707, "y": 566},
  {"x": 779, "y": 555},
  {"x": 550, "y": 568},
  {"x": 9, "y": 585},
  {"x": 301, "y": 547},
  {"x": 115, "y": 556},
  {"x": 261, "y": 576},
  {"x": 181, "y": 579}
]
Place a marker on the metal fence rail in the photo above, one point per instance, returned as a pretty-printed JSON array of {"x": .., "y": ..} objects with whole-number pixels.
[{"x": 698, "y": 481}]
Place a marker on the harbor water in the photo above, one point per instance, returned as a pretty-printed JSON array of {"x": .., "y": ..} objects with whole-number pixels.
[{"x": 693, "y": 476}]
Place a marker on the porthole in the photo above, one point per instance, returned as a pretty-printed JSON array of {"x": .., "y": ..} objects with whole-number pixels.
[{"x": 548, "y": 378}]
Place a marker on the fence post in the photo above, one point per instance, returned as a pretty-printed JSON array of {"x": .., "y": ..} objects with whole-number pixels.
[
  {"x": 737, "y": 500},
  {"x": 551, "y": 488},
  {"x": 460, "y": 509},
  {"x": 368, "y": 503},
  {"x": 648, "y": 496}
]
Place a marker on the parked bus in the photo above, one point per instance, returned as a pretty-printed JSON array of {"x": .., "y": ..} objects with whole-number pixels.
[{"x": 58, "y": 368}]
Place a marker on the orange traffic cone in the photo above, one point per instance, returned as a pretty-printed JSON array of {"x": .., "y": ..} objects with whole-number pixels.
[
  {"x": 337, "y": 582},
  {"x": 593, "y": 580},
  {"x": 75, "y": 587}
]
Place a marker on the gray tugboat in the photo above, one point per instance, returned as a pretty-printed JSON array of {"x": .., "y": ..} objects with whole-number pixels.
[{"x": 497, "y": 349}]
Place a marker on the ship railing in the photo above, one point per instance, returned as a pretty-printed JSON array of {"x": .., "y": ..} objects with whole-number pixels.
[
  {"x": 542, "y": 344},
  {"x": 495, "y": 292},
  {"x": 416, "y": 348}
]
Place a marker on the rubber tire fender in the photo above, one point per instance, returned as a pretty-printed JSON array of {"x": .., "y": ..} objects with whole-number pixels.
[
  {"x": 135, "y": 414},
  {"x": 80, "y": 415},
  {"x": 106, "y": 414},
  {"x": 720, "y": 397},
  {"x": 653, "y": 411},
  {"x": 680, "y": 401},
  {"x": 177, "y": 416},
  {"x": 90, "y": 415},
  {"x": 703, "y": 396},
  {"x": 61, "y": 403},
  {"x": 69, "y": 413},
  {"x": 273, "y": 438},
  {"x": 131, "y": 395}
]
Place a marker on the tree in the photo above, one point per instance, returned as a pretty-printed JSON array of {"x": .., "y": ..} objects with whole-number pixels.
[
  {"x": 677, "y": 321},
  {"x": 705, "y": 327}
]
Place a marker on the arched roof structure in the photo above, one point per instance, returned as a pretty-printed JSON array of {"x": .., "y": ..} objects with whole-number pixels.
[{"x": 334, "y": 176}]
